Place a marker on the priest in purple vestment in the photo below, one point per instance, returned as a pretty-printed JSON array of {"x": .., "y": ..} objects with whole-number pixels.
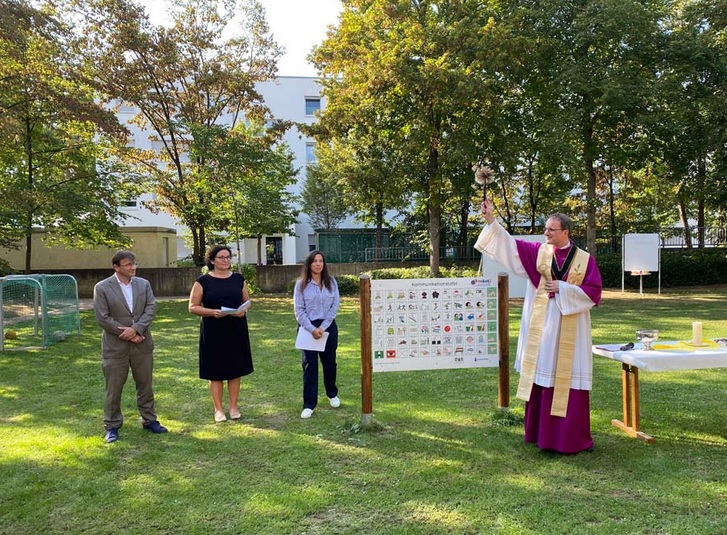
[{"x": 554, "y": 357}]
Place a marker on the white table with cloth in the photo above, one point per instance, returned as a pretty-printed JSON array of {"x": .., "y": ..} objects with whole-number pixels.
[{"x": 665, "y": 356}]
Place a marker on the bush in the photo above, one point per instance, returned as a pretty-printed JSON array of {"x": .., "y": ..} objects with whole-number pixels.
[
  {"x": 347, "y": 285},
  {"x": 458, "y": 272},
  {"x": 678, "y": 268},
  {"x": 418, "y": 272},
  {"x": 291, "y": 286},
  {"x": 681, "y": 267},
  {"x": 249, "y": 272},
  {"x": 5, "y": 268},
  {"x": 422, "y": 272},
  {"x": 187, "y": 261}
]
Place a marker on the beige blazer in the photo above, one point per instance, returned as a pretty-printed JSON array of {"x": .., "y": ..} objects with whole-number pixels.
[{"x": 112, "y": 312}]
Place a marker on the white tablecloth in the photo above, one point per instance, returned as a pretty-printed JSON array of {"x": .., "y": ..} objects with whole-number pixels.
[{"x": 660, "y": 360}]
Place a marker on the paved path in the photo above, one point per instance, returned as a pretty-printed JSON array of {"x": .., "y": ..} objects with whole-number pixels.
[{"x": 87, "y": 303}]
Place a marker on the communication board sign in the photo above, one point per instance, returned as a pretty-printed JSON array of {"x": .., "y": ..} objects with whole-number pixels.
[{"x": 424, "y": 324}]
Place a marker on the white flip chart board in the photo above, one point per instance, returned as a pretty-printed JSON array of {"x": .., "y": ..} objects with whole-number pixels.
[
  {"x": 641, "y": 252},
  {"x": 641, "y": 256}
]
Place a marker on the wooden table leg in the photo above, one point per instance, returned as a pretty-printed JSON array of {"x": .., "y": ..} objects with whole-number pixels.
[{"x": 630, "y": 387}]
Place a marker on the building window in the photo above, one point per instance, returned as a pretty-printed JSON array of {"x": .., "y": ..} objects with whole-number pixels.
[
  {"x": 128, "y": 203},
  {"x": 273, "y": 250},
  {"x": 310, "y": 152},
  {"x": 312, "y": 105}
]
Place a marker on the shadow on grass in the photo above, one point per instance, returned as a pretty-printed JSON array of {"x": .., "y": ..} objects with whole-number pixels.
[{"x": 441, "y": 457}]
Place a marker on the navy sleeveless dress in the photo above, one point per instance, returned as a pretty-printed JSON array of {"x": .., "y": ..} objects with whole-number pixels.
[{"x": 224, "y": 343}]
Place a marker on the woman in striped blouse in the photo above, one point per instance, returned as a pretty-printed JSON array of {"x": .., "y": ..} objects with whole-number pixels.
[{"x": 316, "y": 301}]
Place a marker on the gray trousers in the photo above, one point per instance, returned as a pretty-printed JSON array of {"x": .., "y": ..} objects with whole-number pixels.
[{"x": 116, "y": 371}]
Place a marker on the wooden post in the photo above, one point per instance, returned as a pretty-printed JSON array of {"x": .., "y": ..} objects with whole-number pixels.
[
  {"x": 626, "y": 389},
  {"x": 503, "y": 339},
  {"x": 2, "y": 322},
  {"x": 632, "y": 419},
  {"x": 366, "y": 363}
]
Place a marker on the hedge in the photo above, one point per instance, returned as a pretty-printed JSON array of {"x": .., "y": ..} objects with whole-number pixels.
[{"x": 678, "y": 268}]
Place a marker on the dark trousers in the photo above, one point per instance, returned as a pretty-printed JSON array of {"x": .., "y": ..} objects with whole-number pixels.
[{"x": 310, "y": 368}]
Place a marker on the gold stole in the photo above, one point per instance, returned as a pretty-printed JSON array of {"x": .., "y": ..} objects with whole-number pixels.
[{"x": 566, "y": 346}]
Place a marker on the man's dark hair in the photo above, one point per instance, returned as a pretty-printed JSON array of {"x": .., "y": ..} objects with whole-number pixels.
[
  {"x": 564, "y": 221},
  {"x": 122, "y": 255}
]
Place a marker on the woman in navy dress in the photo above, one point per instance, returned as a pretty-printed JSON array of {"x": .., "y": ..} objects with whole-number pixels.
[{"x": 224, "y": 341}]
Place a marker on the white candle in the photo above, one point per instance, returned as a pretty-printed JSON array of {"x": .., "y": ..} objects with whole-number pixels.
[{"x": 696, "y": 332}]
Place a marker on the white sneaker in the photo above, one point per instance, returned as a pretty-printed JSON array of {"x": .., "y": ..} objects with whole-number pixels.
[
  {"x": 307, "y": 413},
  {"x": 335, "y": 402}
]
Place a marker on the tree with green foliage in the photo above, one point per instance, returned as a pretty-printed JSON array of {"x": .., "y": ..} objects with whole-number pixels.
[
  {"x": 261, "y": 200},
  {"x": 365, "y": 173},
  {"x": 593, "y": 66},
  {"x": 322, "y": 198},
  {"x": 411, "y": 70},
  {"x": 247, "y": 177},
  {"x": 61, "y": 152},
  {"x": 183, "y": 80},
  {"x": 689, "y": 124}
]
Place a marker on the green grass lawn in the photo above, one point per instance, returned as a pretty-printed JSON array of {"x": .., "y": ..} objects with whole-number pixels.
[{"x": 440, "y": 459}]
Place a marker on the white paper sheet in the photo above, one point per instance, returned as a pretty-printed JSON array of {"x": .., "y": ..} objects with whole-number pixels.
[
  {"x": 228, "y": 310},
  {"x": 306, "y": 341}
]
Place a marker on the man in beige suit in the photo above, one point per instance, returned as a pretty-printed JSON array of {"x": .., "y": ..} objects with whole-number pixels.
[{"x": 125, "y": 307}]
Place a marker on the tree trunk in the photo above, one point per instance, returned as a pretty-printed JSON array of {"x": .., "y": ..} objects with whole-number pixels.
[
  {"x": 507, "y": 219},
  {"x": 684, "y": 218},
  {"x": 435, "y": 221},
  {"x": 379, "y": 236},
  {"x": 701, "y": 174},
  {"x": 464, "y": 212},
  {"x": 202, "y": 243},
  {"x": 197, "y": 256},
  {"x": 531, "y": 190},
  {"x": 434, "y": 209},
  {"x": 28, "y": 249},
  {"x": 30, "y": 154},
  {"x": 590, "y": 188},
  {"x": 612, "y": 210}
]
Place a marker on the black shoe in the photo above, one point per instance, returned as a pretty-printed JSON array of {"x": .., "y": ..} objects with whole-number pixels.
[
  {"x": 155, "y": 427},
  {"x": 112, "y": 435}
]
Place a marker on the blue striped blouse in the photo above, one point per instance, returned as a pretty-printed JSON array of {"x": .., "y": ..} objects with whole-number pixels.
[{"x": 315, "y": 303}]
